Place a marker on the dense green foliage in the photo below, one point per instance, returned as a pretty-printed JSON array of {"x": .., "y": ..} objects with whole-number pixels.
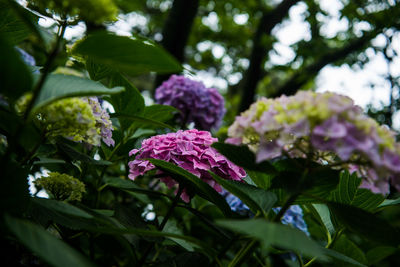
[{"x": 96, "y": 216}]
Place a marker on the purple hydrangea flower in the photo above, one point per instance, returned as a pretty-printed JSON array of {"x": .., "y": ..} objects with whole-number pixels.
[
  {"x": 102, "y": 121},
  {"x": 236, "y": 204},
  {"x": 190, "y": 150},
  {"x": 326, "y": 126},
  {"x": 198, "y": 104},
  {"x": 294, "y": 217}
]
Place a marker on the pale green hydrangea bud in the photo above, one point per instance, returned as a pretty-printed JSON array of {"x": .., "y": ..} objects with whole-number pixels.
[
  {"x": 22, "y": 103},
  {"x": 90, "y": 10},
  {"x": 72, "y": 118},
  {"x": 61, "y": 187}
]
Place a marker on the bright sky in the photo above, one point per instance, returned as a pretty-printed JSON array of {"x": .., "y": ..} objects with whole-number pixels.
[{"x": 354, "y": 83}]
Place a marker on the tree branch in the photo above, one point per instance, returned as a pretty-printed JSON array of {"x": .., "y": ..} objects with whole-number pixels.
[
  {"x": 303, "y": 75},
  {"x": 254, "y": 73}
]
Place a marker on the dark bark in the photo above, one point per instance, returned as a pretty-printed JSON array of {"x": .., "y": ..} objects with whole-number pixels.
[
  {"x": 302, "y": 76},
  {"x": 259, "y": 51},
  {"x": 177, "y": 29}
]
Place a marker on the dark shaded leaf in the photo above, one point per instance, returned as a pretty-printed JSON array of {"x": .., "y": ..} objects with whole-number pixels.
[
  {"x": 129, "y": 185},
  {"x": 272, "y": 234},
  {"x": 365, "y": 223},
  {"x": 132, "y": 56},
  {"x": 62, "y": 207},
  {"x": 129, "y": 102},
  {"x": 377, "y": 254},
  {"x": 242, "y": 156},
  {"x": 348, "y": 248},
  {"x": 144, "y": 121},
  {"x": 58, "y": 86},
  {"x": 348, "y": 192},
  {"x": 258, "y": 200},
  {"x": 46, "y": 246},
  {"x": 12, "y": 66},
  {"x": 11, "y": 25},
  {"x": 76, "y": 155},
  {"x": 159, "y": 112}
]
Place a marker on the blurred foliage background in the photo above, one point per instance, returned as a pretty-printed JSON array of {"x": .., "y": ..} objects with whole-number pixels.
[{"x": 235, "y": 45}]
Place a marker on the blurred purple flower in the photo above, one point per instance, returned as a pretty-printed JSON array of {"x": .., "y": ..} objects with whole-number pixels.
[
  {"x": 327, "y": 127},
  {"x": 190, "y": 150},
  {"x": 198, "y": 104},
  {"x": 102, "y": 121}
]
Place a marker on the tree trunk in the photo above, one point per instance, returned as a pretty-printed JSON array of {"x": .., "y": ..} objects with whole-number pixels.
[
  {"x": 176, "y": 31},
  {"x": 259, "y": 52}
]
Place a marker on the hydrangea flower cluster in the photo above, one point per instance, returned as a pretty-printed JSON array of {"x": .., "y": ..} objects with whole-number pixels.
[
  {"x": 61, "y": 186},
  {"x": 325, "y": 126},
  {"x": 236, "y": 204},
  {"x": 198, "y": 104},
  {"x": 190, "y": 150},
  {"x": 79, "y": 119},
  {"x": 294, "y": 217},
  {"x": 102, "y": 121}
]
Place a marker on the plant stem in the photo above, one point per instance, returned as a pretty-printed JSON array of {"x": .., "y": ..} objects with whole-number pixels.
[
  {"x": 162, "y": 225},
  {"x": 246, "y": 249},
  {"x": 46, "y": 69},
  {"x": 328, "y": 245},
  {"x": 36, "y": 90}
]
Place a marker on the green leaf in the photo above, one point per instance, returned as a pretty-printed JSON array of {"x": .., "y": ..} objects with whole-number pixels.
[
  {"x": 46, "y": 246},
  {"x": 143, "y": 120},
  {"x": 58, "y": 86},
  {"x": 15, "y": 196},
  {"x": 341, "y": 259},
  {"x": 377, "y": 254},
  {"x": 390, "y": 202},
  {"x": 242, "y": 156},
  {"x": 262, "y": 180},
  {"x": 97, "y": 71},
  {"x": 325, "y": 217},
  {"x": 314, "y": 186},
  {"x": 132, "y": 56},
  {"x": 129, "y": 185},
  {"x": 192, "y": 182},
  {"x": 62, "y": 207},
  {"x": 15, "y": 77},
  {"x": 76, "y": 155},
  {"x": 365, "y": 223},
  {"x": 43, "y": 160},
  {"x": 11, "y": 26},
  {"x": 172, "y": 227},
  {"x": 159, "y": 112},
  {"x": 347, "y": 247},
  {"x": 348, "y": 192},
  {"x": 258, "y": 200},
  {"x": 273, "y": 234},
  {"x": 153, "y": 233},
  {"x": 130, "y": 102}
]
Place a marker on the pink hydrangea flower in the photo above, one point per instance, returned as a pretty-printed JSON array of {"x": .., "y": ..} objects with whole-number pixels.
[{"x": 190, "y": 150}]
